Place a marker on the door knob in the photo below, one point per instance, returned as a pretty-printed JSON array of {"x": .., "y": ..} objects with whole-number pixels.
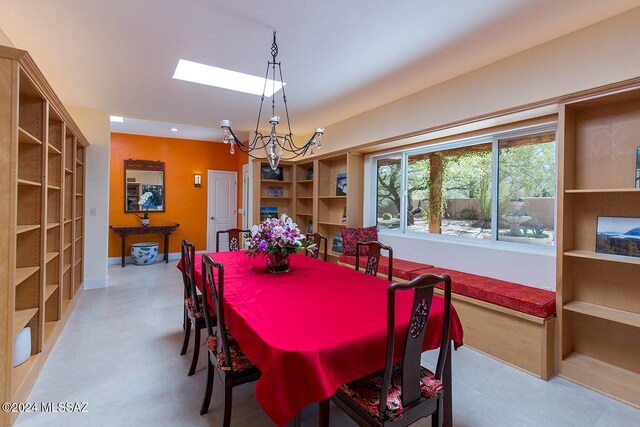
[{"x": 212, "y": 218}]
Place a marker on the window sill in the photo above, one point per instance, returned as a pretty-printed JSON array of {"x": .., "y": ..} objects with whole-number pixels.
[{"x": 480, "y": 243}]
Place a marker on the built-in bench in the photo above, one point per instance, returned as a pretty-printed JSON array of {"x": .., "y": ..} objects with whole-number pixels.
[{"x": 508, "y": 321}]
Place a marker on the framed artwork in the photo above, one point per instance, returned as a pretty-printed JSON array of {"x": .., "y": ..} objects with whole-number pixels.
[
  {"x": 638, "y": 168},
  {"x": 310, "y": 173},
  {"x": 274, "y": 191},
  {"x": 266, "y": 173},
  {"x": 341, "y": 184},
  {"x": 336, "y": 245},
  {"x": 268, "y": 212},
  {"x": 618, "y": 236}
]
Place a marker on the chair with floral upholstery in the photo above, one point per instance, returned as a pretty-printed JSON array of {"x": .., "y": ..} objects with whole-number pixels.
[
  {"x": 373, "y": 250},
  {"x": 404, "y": 391},
  {"x": 235, "y": 238},
  {"x": 225, "y": 355},
  {"x": 193, "y": 311},
  {"x": 317, "y": 239}
]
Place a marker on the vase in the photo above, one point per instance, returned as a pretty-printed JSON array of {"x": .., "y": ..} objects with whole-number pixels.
[
  {"x": 145, "y": 222},
  {"x": 277, "y": 263},
  {"x": 144, "y": 253}
]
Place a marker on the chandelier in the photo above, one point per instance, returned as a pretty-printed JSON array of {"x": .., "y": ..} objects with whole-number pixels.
[{"x": 271, "y": 146}]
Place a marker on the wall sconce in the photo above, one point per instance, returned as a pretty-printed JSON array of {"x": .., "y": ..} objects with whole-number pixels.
[{"x": 197, "y": 180}]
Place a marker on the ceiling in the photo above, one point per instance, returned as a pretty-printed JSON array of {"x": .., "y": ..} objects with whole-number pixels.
[{"x": 339, "y": 58}]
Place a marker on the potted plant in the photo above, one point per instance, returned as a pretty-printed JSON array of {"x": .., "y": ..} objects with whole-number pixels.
[
  {"x": 275, "y": 239},
  {"x": 145, "y": 202}
]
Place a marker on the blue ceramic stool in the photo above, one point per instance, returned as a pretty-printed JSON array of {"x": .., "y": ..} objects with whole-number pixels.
[{"x": 144, "y": 253}]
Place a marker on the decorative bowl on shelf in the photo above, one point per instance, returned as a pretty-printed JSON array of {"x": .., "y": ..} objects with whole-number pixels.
[
  {"x": 144, "y": 253},
  {"x": 22, "y": 347}
]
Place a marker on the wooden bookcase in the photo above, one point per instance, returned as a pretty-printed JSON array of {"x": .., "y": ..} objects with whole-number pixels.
[
  {"x": 598, "y": 295},
  {"x": 41, "y": 169},
  {"x": 315, "y": 199}
]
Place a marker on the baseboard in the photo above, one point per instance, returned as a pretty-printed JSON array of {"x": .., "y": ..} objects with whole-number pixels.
[
  {"x": 173, "y": 256},
  {"x": 95, "y": 283}
]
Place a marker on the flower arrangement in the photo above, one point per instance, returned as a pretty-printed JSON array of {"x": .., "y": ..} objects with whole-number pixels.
[
  {"x": 275, "y": 236},
  {"x": 144, "y": 203}
]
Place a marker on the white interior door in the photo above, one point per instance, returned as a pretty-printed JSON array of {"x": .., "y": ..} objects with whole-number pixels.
[
  {"x": 246, "y": 184},
  {"x": 221, "y": 207}
]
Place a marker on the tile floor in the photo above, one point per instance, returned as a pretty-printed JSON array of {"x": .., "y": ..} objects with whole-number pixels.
[{"x": 119, "y": 352}]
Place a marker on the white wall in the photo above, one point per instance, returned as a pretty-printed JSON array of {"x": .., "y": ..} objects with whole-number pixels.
[
  {"x": 4, "y": 40},
  {"x": 95, "y": 125},
  {"x": 600, "y": 54}
]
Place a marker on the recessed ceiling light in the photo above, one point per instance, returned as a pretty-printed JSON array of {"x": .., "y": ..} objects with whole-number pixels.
[
  {"x": 174, "y": 129},
  {"x": 116, "y": 119},
  {"x": 219, "y": 77}
]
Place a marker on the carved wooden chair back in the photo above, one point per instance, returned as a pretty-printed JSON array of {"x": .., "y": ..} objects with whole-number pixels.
[
  {"x": 188, "y": 254},
  {"x": 235, "y": 238},
  {"x": 374, "y": 250},
  {"x": 210, "y": 271},
  {"x": 317, "y": 238},
  {"x": 422, "y": 287}
]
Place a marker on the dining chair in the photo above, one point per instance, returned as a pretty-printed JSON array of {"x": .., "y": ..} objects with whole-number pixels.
[
  {"x": 373, "y": 252},
  {"x": 225, "y": 355},
  {"x": 404, "y": 391},
  {"x": 193, "y": 310},
  {"x": 317, "y": 238},
  {"x": 235, "y": 237}
]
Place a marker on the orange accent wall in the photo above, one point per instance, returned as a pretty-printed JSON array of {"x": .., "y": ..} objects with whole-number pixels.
[{"x": 185, "y": 204}]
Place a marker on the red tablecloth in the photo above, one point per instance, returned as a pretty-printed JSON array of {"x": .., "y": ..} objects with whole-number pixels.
[{"x": 312, "y": 329}]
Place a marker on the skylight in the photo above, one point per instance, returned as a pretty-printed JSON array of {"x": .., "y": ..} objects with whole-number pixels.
[
  {"x": 219, "y": 77},
  {"x": 116, "y": 119}
]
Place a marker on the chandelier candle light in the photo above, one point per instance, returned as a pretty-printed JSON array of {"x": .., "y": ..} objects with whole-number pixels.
[{"x": 276, "y": 147}]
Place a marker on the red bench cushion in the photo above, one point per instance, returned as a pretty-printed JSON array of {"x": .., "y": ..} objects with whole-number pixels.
[
  {"x": 401, "y": 268},
  {"x": 525, "y": 299}
]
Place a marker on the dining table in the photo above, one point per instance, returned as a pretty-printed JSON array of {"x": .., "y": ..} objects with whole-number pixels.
[{"x": 316, "y": 327}]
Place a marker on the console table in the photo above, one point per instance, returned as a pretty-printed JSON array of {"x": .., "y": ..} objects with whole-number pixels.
[{"x": 124, "y": 230}]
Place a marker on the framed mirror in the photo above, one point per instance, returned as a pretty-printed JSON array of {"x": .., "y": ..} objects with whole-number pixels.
[{"x": 140, "y": 177}]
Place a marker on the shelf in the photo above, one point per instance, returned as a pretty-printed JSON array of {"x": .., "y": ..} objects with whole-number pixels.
[
  {"x": 67, "y": 246},
  {"x": 79, "y": 217},
  {"x": 341, "y": 224},
  {"x": 278, "y": 198},
  {"x": 24, "y": 273},
  {"x": 53, "y": 225},
  {"x": 26, "y": 138},
  {"x": 24, "y": 228},
  {"x": 275, "y": 181},
  {"x": 67, "y": 221},
  {"x": 77, "y": 238},
  {"x": 53, "y": 187},
  {"x": 603, "y": 190},
  {"x": 48, "y": 328},
  {"x": 603, "y": 257},
  {"x": 77, "y": 262},
  {"x": 603, "y": 312},
  {"x": 79, "y": 194},
  {"x": 50, "y": 256},
  {"x": 332, "y": 197},
  {"x": 53, "y": 150},
  {"x": 305, "y": 214},
  {"x": 21, "y": 371},
  {"x": 27, "y": 182},
  {"x": 66, "y": 268},
  {"x": 78, "y": 162},
  {"x": 305, "y": 181},
  {"x": 601, "y": 376},
  {"x": 49, "y": 290},
  {"x": 21, "y": 318},
  {"x": 67, "y": 170}
]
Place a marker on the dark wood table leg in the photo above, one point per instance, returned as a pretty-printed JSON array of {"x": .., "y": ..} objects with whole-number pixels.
[
  {"x": 448, "y": 383},
  {"x": 166, "y": 248},
  {"x": 123, "y": 251}
]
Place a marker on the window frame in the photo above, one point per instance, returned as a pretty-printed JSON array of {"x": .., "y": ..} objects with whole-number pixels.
[{"x": 494, "y": 139}]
